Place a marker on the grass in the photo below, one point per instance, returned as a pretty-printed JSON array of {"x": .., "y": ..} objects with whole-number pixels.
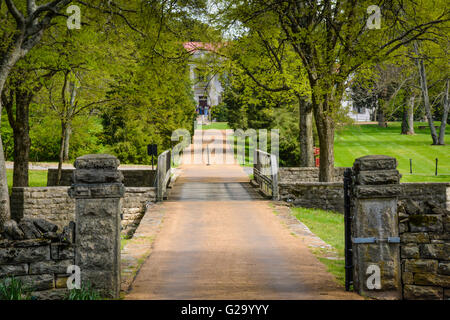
[
  {"x": 13, "y": 289},
  {"x": 248, "y": 162},
  {"x": 354, "y": 141},
  {"x": 86, "y": 292},
  {"x": 328, "y": 226},
  {"x": 123, "y": 242},
  {"x": 36, "y": 178},
  {"x": 216, "y": 126},
  {"x": 359, "y": 140}
]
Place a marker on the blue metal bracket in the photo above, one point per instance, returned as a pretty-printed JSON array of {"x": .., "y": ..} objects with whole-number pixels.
[
  {"x": 393, "y": 239},
  {"x": 364, "y": 240},
  {"x": 375, "y": 240}
]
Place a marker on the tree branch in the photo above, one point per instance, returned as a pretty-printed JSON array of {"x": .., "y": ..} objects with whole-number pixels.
[
  {"x": 20, "y": 20},
  {"x": 262, "y": 85}
]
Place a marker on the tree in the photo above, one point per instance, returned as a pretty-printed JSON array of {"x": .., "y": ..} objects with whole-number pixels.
[
  {"x": 437, "y": 139},
  {"x": 332, "y": 40},
  {"x": 23, "y": 27},
  {"x": 23, "y": 87},
  {"x": 446, "y": 109},
  {"x": 263, "y": 58},
  {"x": 81, "y": 84},
  {"x": 25, "y": 81},
  {"x": 28, "y": 31}
]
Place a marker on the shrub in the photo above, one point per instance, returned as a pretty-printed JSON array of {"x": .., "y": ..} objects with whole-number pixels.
[
  {"x": 13, "y": 289},
  {"x": 220, "y": 112},
  {"x": 86, "y": 292}
]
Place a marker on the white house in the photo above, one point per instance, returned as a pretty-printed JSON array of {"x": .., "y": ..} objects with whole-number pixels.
[
  {"x": 208, "y": 89},
  {"x": 205, "y": 85},
  {"x": 356, "y": 113}
]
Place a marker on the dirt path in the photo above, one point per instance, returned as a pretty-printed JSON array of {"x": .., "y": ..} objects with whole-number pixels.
[{"x": 220, "y": 240}]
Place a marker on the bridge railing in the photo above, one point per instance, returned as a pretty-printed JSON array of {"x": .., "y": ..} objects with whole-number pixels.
[
  {"x": 163, "y": 173},
  {"x": 265, "y": 172}
]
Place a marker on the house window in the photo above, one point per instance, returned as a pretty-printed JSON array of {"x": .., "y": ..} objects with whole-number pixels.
[{"x": 200, "y": 75}]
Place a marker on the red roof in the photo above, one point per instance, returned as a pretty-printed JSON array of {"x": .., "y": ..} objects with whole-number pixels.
[{"x": 193, "y": 47}]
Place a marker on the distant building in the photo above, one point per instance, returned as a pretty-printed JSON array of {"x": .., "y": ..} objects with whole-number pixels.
[
  {"x": 206, "y": 86},
  {"x": 357, "y": 113},
  {"x": 208, "y": 90}
]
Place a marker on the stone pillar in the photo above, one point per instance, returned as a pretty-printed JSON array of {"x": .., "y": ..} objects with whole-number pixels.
[
  {"x": 375, "y": 235},
  {"x": 98, "y": 191}
]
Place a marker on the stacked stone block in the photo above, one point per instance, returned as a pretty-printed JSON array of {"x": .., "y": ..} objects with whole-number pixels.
[
  {"x": 50, "y": 203},
  {"x": 39, "y": 263},
  {"x": 296, "y": 174},
  {"x": 98, "y": 193},
  {"x": 425, "y": 249},
  {"x": 423, "y": 192},
  {"x": 316, "y": 195},
  {"x": 55, "y": 205},
  {"x": 131, "y": 177},
  {"x": 374, "y": 191},
  {"x": 134, "y": 206}
]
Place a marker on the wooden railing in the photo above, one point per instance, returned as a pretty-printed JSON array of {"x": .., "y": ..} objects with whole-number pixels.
[
  {"x": 163, "y": 173},
  {"x": 265, "y": 173}
]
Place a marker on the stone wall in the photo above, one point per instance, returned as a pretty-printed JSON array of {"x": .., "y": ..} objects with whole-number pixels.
[
  {"x": 131, "y": 177},
  {"x": 317, "y": 195},
  {"x": 295, "y": 174},
  {"x": 38, "y": 258},
  {"x": 330, "y": 196},
  {"x": 55, "y": 205},
  {"x": 134, "y": 206},
  {"x": 50, "y": 203},
  {"x": 427, "y": 191},
  {"x": 425, "y": 247}
]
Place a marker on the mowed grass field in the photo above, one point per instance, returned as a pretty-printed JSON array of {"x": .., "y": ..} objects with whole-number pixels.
[
  {"x": 355, "y": 141},
  {"x": 329, "y": 226},
  {"x": 216, "y": 126},
  {"x": 36, "y": 178}
]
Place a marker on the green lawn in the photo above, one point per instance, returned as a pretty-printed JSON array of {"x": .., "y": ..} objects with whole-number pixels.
[
  {"x": 356, "y": 141},
  {"x": 37, "y": 178},
  {"x": 328, "y": 226},
  {"x": 217, "y": 126}
]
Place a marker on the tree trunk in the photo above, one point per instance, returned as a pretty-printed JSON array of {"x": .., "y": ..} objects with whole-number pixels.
[
  {"x": 381, "y": 118},
  {"x": 22, "y": 142},
  {"x": 67, "y": 141},
  {"x": 405, "y": 120},
  {"x": 444, "y": 115},
  {"x": 426, "y": 98},
  {"x": 408, "y": 118},
  {"x": 4, "y": 192},
  {"x": 61, "y": 152},
  {"x": 6, "y": 64},
  {"x": 325, "y": 130},
  {"x": 306, "y": 134},
  {"x": 411, "y": 116}
]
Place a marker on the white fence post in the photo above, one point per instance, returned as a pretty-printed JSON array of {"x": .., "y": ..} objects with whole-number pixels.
[
  {"x": 163, "y": 173},
  {"x": 265, "y": 172}
]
